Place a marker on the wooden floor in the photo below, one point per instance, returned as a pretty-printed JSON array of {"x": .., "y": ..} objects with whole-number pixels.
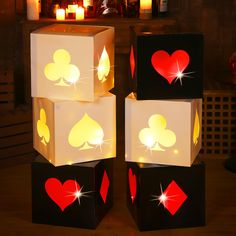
[{"x": 15, "y": 206}]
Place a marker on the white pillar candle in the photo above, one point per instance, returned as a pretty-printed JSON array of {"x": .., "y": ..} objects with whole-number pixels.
[
  {"x": 60, "y": 14},
  {"x": 32, "y": 10},
  {"x": 145, "y": 10},
  {"x": 80, "y": 13}
]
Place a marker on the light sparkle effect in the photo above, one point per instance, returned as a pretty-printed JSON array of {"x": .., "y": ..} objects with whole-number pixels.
[
  {"x": 79, "y": 194},
  {"x": 172, "y": 198},
  {"x": 179, "y": 74}
]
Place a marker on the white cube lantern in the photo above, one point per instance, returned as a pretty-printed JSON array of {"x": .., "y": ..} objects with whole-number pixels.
[
  {"x": 72, "y": 62},
  {"x": 162, "y": 131},
  {"x": 68, "y": 132}
]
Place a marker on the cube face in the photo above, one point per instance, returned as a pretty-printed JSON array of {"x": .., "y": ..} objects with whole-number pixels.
[
  {"x": 67, "y": 132},
  {"x": 174, "y": 198},
  {"x": 166, "y": 66},
  {"x": 70, "y": 195},
  {"x": 72, "y": 62},
  {"x": 168, "y": 132}
]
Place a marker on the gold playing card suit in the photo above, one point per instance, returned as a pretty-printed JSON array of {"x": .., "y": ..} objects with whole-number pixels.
[
  {"x": 86, "y": 134},
  {"x": 157, "y": 134},
  {"x": 103, "y": 66},
  {"x": 61, "y": 69},
  {"x": 42, "y": 128},
  {"x": 196, "y": 129}
]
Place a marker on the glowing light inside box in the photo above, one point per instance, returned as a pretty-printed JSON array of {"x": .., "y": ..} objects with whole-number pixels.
[
  {"x": 61, "y": 70},
  {"x": 42, "y": 128},
  {"x": 157, "y": 136},
  {"x": 86, "y": 134},
  {"x": 196, "y": 129},
  {"x": 104, "y": 66}
]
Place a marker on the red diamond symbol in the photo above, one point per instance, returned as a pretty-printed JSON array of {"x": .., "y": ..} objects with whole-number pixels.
[
  {"x": 172, "y": 198},
  {"x": 132, "y": 61},
  {"x": 104, "y": 186}
]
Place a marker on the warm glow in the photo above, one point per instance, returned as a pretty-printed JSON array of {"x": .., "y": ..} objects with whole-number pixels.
[
  {"x": 103, "y": 68},
  {"x": 60, "y": 14},
  {"x": 80, "y": 13},
  {"x": 176, "y": 152},
  {"x": 86, "y": 134},
  {"x": 196, "y": 129},
  {"x": 72, "y": 8},
  {"x": 42, "y": 128},
  {"x": 157, "y": 134},
  {"x": 61, "y": 70},
  {"x": 87, "y": 3},
  {"x": 146, "y": 5}
]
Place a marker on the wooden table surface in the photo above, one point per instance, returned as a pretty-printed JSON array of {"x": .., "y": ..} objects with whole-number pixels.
[{"x": 15, "y": 206}]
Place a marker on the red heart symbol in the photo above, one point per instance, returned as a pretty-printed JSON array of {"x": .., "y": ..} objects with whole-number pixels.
[
  {"x": 169, "y": 66},
  {"x": 62, "y": 194},
  {"x": 132, "y": 185}
]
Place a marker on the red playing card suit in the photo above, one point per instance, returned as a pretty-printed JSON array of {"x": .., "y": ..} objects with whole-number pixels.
[
  {"x": 132, "y": 185},
  {"x": 62, "y": 194},
  {"x": 104, "y": 186},
  {"x": 132, "y": 61},
  {"x": 170, "y": 65},
  {"x": 175, "y": 197}
]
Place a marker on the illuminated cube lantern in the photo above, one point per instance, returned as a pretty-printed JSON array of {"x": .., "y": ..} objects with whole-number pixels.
[
  {"x": 168, "y": 132},
  {"x": 78, "y": 195},
  {"x": 72, "y": 62},
  {"x": 174, "y": 198},
  {"x": 67, "y": 132},
  {"x": 164, "y": 66}
]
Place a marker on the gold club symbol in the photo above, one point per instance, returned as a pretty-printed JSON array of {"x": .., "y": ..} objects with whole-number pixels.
[
  {"x": 86, "y": 134},
  {"x": 61, "y": 69},
  {"x": 157, "y": 134},
  {"x": 42, "y": 128}
]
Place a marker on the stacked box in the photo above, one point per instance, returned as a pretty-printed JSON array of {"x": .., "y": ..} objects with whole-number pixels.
[
  {"x": 71, "y": 75},
  {"x": 163, "y": 120}
]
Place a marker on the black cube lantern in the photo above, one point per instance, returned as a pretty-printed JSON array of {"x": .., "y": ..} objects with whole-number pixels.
[
  {"x": 162, "y": 197},
  {"x": 77, "y": 195},
  {"x": 166, "y": 66}
]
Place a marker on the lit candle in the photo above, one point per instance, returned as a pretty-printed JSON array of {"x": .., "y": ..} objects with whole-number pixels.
[
  {"x": 80, "y": 13},
  {"x": 145, "y": 11},
  {"x": 32, "y": 9},
  {"x": 60, "y": 14},
  {"x": 72, "y": 8}
]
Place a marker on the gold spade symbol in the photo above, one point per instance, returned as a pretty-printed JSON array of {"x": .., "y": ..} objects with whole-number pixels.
[
  {"x": 196, "y": 129},
  {"x": 42, "y": 128},
  {"x": 61, "y": 69},
  {"x": 157, "y": 134},
  {"x": 103, "y": 66},
  {"x": 85, "y": 133}
]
